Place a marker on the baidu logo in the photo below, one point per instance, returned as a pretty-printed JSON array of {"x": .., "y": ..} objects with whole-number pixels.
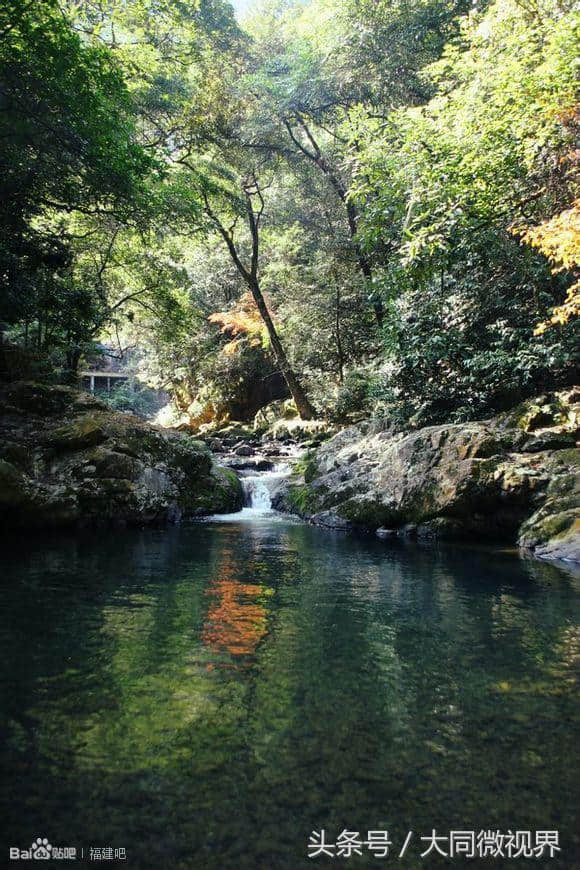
[{"x": 42, "y": 850}]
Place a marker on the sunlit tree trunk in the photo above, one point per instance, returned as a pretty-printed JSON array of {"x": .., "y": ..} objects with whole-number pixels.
[
  {"x": 303, "y": 405},
  {"x": 250, "y": 276}
]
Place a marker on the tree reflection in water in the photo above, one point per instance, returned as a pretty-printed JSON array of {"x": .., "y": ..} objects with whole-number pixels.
[{"x": 236, "y": 620}]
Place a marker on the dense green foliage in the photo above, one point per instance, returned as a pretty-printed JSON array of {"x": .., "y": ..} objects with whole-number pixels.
[
  {"x": 366, "y": 174},
  {"x": 68, "y": 148}
]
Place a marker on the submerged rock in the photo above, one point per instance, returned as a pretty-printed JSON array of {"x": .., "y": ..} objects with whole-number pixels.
[
  {"x": 514, "y": 477},
  {"x": 385, "y": 534},
  {"x": 67, "y": 459}
]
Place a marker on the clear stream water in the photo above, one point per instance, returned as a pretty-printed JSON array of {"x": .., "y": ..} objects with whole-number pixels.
[{"x": 207, "y": 696}]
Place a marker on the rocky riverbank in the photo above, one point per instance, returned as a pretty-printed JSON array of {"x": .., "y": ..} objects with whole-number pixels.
[
  {"x": 67, "y": 459},
  {"x": 512, "y": 478}
]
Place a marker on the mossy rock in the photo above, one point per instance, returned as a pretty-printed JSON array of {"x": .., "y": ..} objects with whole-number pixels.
[
  {"x": 228, "y": 493},
  {"x": 569, "y": 457},
  {"x": 51, "y": 506},
  {"x": 549, "y": 440},
  {"x": 282, "y": 409},
  {"x": 88, "y": 402},
  {"x": 109, "y": 464},
  {"x": 553, "y": 533},
  {"x": 102, "y": 467},
  {"x": 17, "y": 454},
  {"x": 135, "y": 438},
  {"x": 307, "y": 466},
  {"x": 235, "y": 430},
  {"x": 540, "y": 413},
  {"x": 42, "y": 399},
  {"x": 189, "y": 455},
  {"x": 301, "y": 430},
  {"x": 301, "y": 499},
  {"x": 26, "y": 503},
  {"x": 85, "y": 432},
  {"x": 219, "y": 492},
  {"x": 564, "y": 485},
  {"x": 369, "y": 514},
  {"x": 13, "y": 485}
]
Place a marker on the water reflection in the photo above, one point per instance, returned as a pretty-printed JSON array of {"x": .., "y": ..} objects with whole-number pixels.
[
  {"x": 207, "y": 696},
  {"x": 236, "y": 620}
]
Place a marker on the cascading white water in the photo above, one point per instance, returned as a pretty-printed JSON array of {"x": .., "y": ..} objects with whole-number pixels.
[
  {"x": 257, "y": 494},
  {"x": 259, "y": 488}
]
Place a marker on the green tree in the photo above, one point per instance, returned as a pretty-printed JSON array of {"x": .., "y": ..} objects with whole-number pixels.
[{"x": 68, "y": 146}]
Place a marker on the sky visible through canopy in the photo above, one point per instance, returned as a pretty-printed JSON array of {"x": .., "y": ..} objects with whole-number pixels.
[{"x": 240, "y": 6}]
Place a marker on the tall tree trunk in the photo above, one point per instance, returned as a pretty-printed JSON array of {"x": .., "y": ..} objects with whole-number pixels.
[
  {"x": 303, "y": 405},
  {"x": 363, "y": 262},
  {"x": 339, "y": 350},
  {"x": 351, "y": 212},
  {"x": 73, "y": 359},
  {"x": 252, "y": 191}
]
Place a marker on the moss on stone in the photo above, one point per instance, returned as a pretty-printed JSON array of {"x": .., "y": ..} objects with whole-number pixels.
[
  {"x": 568, "y": 456},
  {"x": 534, "y": 414},
  {"x": 228, "y": 492},
  {"x": 216, "y": 493},
  {"x": 190, "y": 456},
  {"x": 41, "y": 399},
  {"x": 369, "y": 514},
  {"x": 301, "y": 500},
  {"x": 17, "y": 454},
  {"x": 12, "y": 485},
  {"x": 307, "y": 467},
  {"x": 553, "y": 526},
  {"x": 87, "y": 431},
  {"x": 117, "y": 465}
]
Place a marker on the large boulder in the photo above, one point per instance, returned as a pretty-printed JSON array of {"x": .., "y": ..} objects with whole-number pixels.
[
  {"x": 297, "y": 430},
  {"x": 553, "y": 531},
  {"x": 514, "y": 477},
  {"x": 66, "y": 459}
]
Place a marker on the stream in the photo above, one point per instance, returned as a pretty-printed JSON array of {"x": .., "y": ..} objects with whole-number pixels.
[
  {"x": 258, "y": 488},
  {"x": 208, "y": 696}
]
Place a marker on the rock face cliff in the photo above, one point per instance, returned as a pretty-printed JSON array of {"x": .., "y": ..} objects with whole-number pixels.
[
  {"x": 67, "y": 459},
  {"x": 514, "y": 477}
]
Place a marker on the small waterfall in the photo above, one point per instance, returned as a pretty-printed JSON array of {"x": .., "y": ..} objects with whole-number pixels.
[
  {"x": 256, "y": 492},
  {"x": 259, "y": 487}
]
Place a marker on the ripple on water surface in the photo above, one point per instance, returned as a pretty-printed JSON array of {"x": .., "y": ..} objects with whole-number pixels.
[{"x": 207, "y": 696}]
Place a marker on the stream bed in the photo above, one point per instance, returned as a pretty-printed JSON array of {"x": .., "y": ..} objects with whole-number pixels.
[{"x": 208, "y": 696}]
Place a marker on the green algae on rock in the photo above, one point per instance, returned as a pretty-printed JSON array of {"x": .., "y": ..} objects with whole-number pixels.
[
  {"x": 514, "y": 477},
  {"x": 69, "y": 460}
]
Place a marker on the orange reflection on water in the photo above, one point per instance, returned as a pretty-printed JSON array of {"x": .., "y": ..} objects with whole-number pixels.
[{"x": 235, "y": 621}]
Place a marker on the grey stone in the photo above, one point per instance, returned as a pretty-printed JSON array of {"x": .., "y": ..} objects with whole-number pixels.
[
  {"x": 487, "y": 479},
  {"x": 90, "y": 465}
]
